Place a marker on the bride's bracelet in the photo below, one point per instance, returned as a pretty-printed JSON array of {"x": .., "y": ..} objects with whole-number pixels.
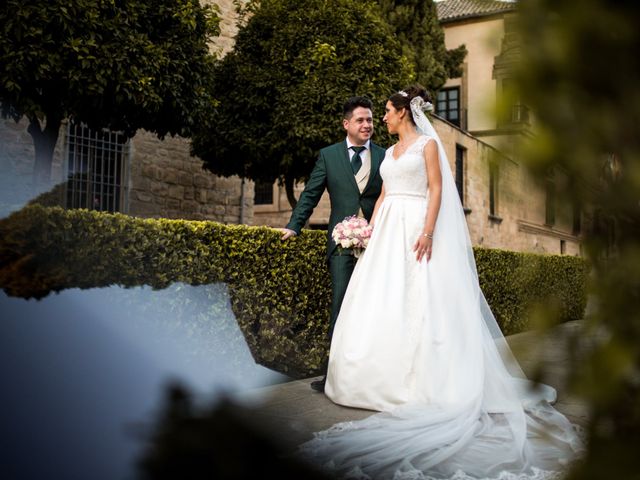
[{"x": 428, "y": 235}]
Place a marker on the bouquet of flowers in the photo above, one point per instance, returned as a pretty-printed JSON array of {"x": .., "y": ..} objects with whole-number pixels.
[{"x": 352, "y": 233}]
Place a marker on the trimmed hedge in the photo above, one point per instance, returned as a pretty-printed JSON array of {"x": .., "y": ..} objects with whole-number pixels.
[
  {"x": 279, "y": 291},
  {"x": 514, "y": 282}
]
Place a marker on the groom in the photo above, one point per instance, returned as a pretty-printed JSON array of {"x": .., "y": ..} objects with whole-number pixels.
[{"x": 349, "y": 171}]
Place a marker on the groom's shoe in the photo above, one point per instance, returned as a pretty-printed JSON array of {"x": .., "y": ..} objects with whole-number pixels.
[{"x": 318, "y": 385}]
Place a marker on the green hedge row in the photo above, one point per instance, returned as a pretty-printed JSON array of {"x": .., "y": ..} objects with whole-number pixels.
[{"x": 279, "y": 291}]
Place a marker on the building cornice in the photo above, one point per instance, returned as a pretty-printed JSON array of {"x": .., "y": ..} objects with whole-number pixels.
[
  {"x": 495, "y": 132},
  {"x": 529, "y": 227}
]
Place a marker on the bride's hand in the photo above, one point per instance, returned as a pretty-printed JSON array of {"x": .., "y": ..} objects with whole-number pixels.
[{"x": 423, "y": 247}]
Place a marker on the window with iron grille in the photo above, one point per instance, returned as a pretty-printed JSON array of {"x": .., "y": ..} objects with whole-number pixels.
[
  {"x": 460, "y": 151},
  {"x": 577, "y": 218},
  {"x": 263, "y": 193},
  {"x": 550, "y": 200},
  {"x": 493, "y": 187},
  {"x": 96, "y": 169},
  {"x": 448, "y": 104}
]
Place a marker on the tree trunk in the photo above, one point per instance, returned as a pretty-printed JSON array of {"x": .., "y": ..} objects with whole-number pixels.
[
  {"x": 44, "y": 141},
  {"x": 288, "y": 185}
]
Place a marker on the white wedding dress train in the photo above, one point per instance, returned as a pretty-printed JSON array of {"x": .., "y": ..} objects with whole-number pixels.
[{"x": 417, "y": 342}]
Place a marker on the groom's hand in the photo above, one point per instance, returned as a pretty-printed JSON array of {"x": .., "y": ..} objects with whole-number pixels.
[{"x": 287, "y": 233}]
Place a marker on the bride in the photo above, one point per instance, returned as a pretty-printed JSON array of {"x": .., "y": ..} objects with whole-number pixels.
[{"x": 416, "y": 341}]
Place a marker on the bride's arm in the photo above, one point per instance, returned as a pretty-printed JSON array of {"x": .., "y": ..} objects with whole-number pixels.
[
  {"x": 434, "y": 180},
  {"x": 378, "y": 203}
]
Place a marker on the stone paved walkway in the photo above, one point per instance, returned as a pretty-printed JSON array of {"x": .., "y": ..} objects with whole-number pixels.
[{"x": 295, "y": 411}]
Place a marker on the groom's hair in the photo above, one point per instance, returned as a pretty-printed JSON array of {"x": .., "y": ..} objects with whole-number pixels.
[{"x": 355, "y": 102}]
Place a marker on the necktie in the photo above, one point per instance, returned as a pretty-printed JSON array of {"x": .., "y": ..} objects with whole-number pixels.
[{"x": 356, "y": 161}]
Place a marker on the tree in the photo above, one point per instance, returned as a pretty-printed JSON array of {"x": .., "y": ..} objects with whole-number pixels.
[
  {"x": 281, "y": 89},
  {"x": 122, "y": 65},
  {"x": 415, "y": 23},
  {"x": 579, "y": 76}
]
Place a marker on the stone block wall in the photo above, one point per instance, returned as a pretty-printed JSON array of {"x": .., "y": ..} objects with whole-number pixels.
[
  {"x": 520, "y": 203},
  {"x": 162, "y": 179},
  {"x": 166, "y": 181},
  {"x": 228, "y": 25},
  {"x": 278, "y": 213},
  {"x": 17, "y": 157}
]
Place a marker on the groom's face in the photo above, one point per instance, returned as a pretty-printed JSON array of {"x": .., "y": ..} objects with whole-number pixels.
[{"x": 359, "y": 126}]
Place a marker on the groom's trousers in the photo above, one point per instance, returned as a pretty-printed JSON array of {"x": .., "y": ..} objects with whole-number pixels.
[{"x": 340, "y": 267}]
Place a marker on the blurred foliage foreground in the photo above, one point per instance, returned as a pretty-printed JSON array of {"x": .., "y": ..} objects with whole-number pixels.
[
  {"x": 580, "y": 75},
  {"x": 221, "y": 442},
  {"x": 279, "y": 292}
]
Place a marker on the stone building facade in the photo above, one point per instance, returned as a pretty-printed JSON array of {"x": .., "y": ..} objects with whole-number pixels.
[
  {"x": 533, "y": 218},
  {"x": 166, "y": 181},
  {"x": 505, "y": 207},
  {"x": 149, "y": 177}
]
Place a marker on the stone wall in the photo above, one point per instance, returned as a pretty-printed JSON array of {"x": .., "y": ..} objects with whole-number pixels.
[
  {"x": 162, "y": 180},
  {"x": 519, "y": 220},
  {"x": 277, "y": 214},
  {"x": 17, "y": 157},
  {"x": 228, "y": 25},
  {"x": 165, "y": 181}
]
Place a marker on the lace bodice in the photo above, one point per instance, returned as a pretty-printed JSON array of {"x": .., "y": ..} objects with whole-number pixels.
[{"x": 407, "y": 174}]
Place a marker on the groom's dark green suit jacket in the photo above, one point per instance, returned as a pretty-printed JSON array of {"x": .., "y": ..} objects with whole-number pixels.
[{"x": 333, "y": 171}]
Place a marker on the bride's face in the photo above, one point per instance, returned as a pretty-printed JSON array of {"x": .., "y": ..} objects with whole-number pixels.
[{"x": 392, "y": 117}]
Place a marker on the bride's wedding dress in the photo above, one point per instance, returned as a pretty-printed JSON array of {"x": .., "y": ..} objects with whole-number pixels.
[{"x": 417, "y": 342}]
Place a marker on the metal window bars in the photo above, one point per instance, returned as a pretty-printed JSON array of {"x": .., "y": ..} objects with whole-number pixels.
[
  {"x": 263, "y": 193},
  {"x": 97, "y": 163}
]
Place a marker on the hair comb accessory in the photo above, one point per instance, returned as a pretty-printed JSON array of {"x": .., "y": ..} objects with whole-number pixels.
[{"x": 419, "y": 103}]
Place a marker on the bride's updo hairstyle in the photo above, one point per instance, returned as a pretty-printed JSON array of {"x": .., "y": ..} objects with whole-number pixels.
[{"x": 402, "y": 99}]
